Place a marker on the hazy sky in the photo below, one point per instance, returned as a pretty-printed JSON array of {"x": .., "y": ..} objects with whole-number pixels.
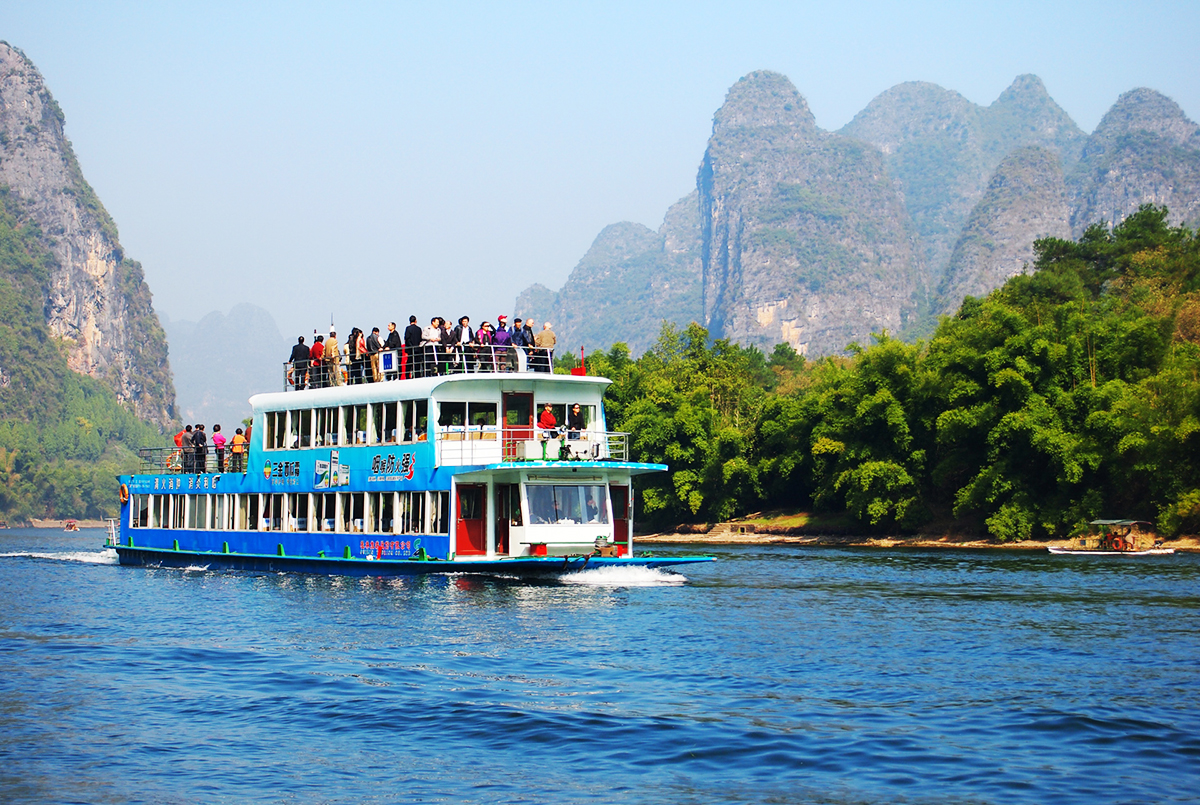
[{"x": 376, "y": 160}]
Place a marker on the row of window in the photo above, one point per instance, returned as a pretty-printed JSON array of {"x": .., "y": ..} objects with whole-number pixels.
[
  {"x": 425, "y": 512},
  {"x": 399, "y": 422},
  {"x": 341, "y": 512}
]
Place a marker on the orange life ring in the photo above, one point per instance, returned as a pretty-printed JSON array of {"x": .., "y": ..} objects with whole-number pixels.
[
  {"x": 1118, "y": 544},
  {"x": 123, "y": 494}
]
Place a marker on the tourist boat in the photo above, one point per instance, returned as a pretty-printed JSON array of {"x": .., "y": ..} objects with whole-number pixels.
[
  {"x": 1115, "y": 538},
  {"x": 445, "y": 472},
  {"x": 70, "y": 525}
]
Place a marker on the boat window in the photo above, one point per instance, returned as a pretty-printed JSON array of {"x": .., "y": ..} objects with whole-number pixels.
[
  {"x": 514, "y": 505},
  {"x": 273, "y": 512},
  {"x": 391, "y": 422},
  {"x": 298, "y": 511},
  {"x": 382, "y": 512},
  {"x": 353, "y": 512},
  {"x": 567, "y": 505},
  {"x": 141, "y": 511},
  {"x": 293, "y": 430},
  {"x": 177, "y": 511},
  {"x": 327, "y": 427},
  {"x": 411, "y": 512},
  {"x": 439, "y": 512},
  {"x": 253, "y": 521},
  {"x": 559, "y": 410},
  {"x": 452, "y": 414},
  {"x": 481, "y": 414},
  {"x": 306, "y": 421},
  {"x": 276, "y": 430},
  {"x": 356, "y": 424},
  {"x": 325, "y": 511},
  {"x": 415, "y": 414}
]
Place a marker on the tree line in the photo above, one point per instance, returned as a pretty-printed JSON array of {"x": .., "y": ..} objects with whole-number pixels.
[{"x": 1068, "y": 394}]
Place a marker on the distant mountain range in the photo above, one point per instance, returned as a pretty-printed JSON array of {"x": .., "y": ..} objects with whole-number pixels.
[{"x": 817, "y": 239}]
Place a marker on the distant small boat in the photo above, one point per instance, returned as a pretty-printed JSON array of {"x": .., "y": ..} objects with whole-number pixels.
[
  {"x": 70, "y": 525},
  {"x": 1115, "y": 538}
]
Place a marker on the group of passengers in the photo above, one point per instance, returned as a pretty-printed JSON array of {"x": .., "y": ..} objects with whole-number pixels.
[
  {"x": 191, "y": 455},
  {"x": 422, "y": 352}
]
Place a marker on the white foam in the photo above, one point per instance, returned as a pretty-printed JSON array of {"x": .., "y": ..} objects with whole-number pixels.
[
  {"x": 107, "y": 556},
  {"x": 624, "y": 577}
]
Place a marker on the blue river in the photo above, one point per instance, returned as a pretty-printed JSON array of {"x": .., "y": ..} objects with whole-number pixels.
[{"x": 775, "y": 675}]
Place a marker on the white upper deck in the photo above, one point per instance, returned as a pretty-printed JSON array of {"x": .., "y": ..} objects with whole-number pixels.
[{"x": 564, "y": 389}]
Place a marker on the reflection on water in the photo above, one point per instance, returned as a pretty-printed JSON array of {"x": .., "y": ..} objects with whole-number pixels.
[{"x": 777, "y": 674}]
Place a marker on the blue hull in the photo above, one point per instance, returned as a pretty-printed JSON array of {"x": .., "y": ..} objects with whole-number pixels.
[{"x": 517, "y": 566}]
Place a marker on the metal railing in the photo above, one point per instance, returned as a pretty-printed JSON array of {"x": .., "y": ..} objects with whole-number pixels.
[
  {"x": 167, "y": 460},
  {"x": 492, "y": 445},
  {"x": 412, "y": 362}
]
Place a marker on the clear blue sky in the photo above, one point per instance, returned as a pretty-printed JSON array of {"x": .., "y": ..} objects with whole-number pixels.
[{"x": 376, "y": 160}]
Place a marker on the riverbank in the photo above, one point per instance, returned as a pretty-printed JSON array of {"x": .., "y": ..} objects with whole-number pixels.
[
  {"x": 61, "y": 524},
  {"x": 1182, "y": 544}
]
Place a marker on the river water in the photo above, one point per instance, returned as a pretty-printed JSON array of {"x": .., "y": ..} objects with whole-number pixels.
[{"x": 774, "y": 675}]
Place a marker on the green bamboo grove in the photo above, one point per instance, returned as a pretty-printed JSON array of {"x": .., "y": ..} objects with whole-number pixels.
[{"x": 1071, "y": 393}]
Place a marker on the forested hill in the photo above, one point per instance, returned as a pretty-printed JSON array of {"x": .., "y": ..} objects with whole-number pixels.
[
  {"x": 63, "y": 435},
  {"x": 1067, "y": 394}
]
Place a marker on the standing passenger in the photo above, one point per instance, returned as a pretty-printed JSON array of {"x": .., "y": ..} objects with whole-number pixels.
[
  {"x": 316, "y": 355},
  {"x": 545, "y": 340},
  {"x": 374, "y": 347},
  {"x": 333, "y": 360},
  {"x": 299, "y": 359},
  {"x": 505, "y": 356},
  {"x": 431, "y": 336},
  {"x": 218, "y": 440},
  {"x": 412, "y": 348},
  {"x": 239, "y": 452},
  {"x": 200, "y": 441},
  {"x": 189, "y": 451}
]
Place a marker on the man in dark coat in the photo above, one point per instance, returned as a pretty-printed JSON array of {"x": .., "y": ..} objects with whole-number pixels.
[
  {"x": 200, "y": 443},
  {"x": 299, "y": 361},
  {"x": 412, "y": 347},
  {"x": 374, "y": 347}
]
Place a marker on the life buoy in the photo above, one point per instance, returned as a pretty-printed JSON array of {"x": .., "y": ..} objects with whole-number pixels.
[
  {"x": 1118, "y": 544},
  {"x": 123, "y": 494}
]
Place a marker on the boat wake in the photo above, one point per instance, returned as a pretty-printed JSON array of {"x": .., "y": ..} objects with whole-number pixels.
[
  {"x": 624, "y": 577},
  {"x": 107, "y": 556}
]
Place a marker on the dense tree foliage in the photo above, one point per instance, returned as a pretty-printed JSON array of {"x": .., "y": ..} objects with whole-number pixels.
[
  {"x": 1071, "y": 393},
  {"x": 63, "y": 436}
]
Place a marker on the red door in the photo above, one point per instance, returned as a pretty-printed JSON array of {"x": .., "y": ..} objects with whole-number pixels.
[
  {"x": 471, "y": 527},
  {"x": 621, "y": 518},
  {"x": 518, "y": 422}
]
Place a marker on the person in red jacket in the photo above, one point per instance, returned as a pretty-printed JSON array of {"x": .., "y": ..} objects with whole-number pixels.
[
  {"x": 317, "y": 358},
  {"x": 547, "y": 422}
]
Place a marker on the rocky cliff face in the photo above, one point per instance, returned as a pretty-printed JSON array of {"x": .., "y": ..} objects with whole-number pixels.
[
  {"x": 942, "y": 150},
  {"x": 97, "y": 300},
  {"x": 818, "y": 239},
  {"x": 1026, "y": 199},
  {"x": 1145, "y": 150},
  {"x": 805, "y": 239},
  {"x": 629, "y": 282}
]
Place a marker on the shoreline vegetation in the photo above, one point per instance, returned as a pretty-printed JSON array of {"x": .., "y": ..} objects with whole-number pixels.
[
  {"x": 805, "y": 528},
  {"x": 1069, "y": 394}
]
